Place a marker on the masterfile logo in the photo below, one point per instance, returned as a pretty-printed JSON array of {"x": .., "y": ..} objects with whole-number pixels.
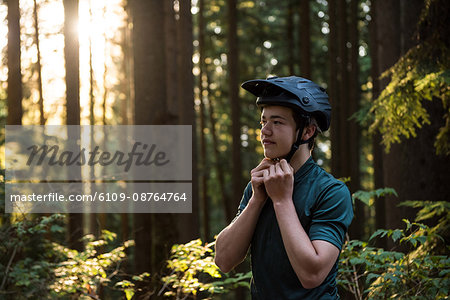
[
  {"x": 98, "y": 169},
  {"x": 113, "y": 152}
]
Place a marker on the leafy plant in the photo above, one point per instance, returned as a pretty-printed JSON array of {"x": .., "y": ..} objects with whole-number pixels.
[
  {"x": 421, "y": 273},
  {"x": 33, "y": 267},
  {"x": 421, "y": 75},
  {"x": 26, "y": 255},
  {"x": 367, "y": 197},
  {"x": 81, "y": 273},
  {"x": 193, "y": 273}
]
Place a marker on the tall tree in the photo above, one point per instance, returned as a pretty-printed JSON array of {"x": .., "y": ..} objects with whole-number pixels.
[
  {"x": 202, "y": 112},
  {"x": 356, "y": 231},
  {"x": 150, "y": 92},
  {"x": 388, "y": 51},
  {"x": 14, "y": 70},
  {"x": 188, "y": 224},
  {"x": 420, "y": 174},
  {"x": 305, "y": 39},
  {"x": 333, "y": 89},
  {"x": 290, "y": 36},
  {"x": 219, "y": 167},
  {"x": 38, "y": 64},
  {"x": 71, "y": 56},
  {"x": 233, "y": 86},
  {"x": 380, "y": 218}
]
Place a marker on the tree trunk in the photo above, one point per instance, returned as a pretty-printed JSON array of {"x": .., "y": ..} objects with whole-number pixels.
[
  {"x": 417, "y": 154},
  {"x": 150, "y": 92},
  {"x": 233, "y": 89},
  {"x": 333, "y": 89},
  {"x": 305, "y": 39},
  {"x": 38, "y": 64},
  {"x": 388, "y": 51},
  {"x": 14, "y": 71},
  {"x": 377, "y": 150},
  {"x": 229, "y": 211},
  {"x": 233, "y": 86},
  {"x": 290, "y": 37},
  {"x": 342, "y": 113},
  {"x": 71, "y": 55},
  {"x": 188, "y": 224},
  {"x": 356, "y": 231},
  {"x": 154, "y": 233},
  {"x": 203, "y": 160}
]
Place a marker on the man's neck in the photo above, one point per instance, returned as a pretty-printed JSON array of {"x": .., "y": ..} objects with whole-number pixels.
[{"x": 300, "y": 157}]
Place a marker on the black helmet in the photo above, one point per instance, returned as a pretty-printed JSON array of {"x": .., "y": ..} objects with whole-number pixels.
[{"x": 295, "y": 92}]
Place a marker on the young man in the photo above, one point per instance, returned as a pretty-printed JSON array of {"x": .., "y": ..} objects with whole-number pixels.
[{"x": 293, "y": 213}]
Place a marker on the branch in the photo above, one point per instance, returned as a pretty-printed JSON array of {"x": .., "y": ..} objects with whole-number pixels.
[{"x": 8, "y": 266}]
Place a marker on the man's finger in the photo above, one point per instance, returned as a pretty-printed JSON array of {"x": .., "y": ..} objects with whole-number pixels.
[
  {"x": 278, "y": 169},
  {"x": 272, "y": 170},
  {"x": 258, "y": 174},
  {"x": 285, "y": 166},
  {"x": 264, "y": 164}
]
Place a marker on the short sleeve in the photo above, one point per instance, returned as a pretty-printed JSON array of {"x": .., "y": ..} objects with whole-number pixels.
[
  {"x": 245, "y": 198},
  {"x": 332, "y": 215}
]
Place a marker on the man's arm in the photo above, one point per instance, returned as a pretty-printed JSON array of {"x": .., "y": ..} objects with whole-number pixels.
[
  {"x": 311, "y": 261},
  {"x": 233, "y": 242}
]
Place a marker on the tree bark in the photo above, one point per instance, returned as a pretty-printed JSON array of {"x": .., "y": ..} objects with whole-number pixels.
[
  {"x": 15, "y": 110},
  {"x": 233, "y": 86},
  {"x": 333, "y": 89},
  {"x": 229, "y": 211},
  {"x": 188, "y": 224},
  {"x": 357, "y": 229},
  {"x": 154, "y": 233},
  {"x": 305, "y": 39},
  {"x": 377, "y": 150},
  {"x": 290, "y": 37},
  {"x": 419, "y": 174},
  {"x": 42, "y": 119},
  {"x": 203, "y": 160},
  {"x": 71, "y": 55},
  {"x": 387, "y": 22}
]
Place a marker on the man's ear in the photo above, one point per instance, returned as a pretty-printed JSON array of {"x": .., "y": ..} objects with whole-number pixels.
[{"x": 309, "y": 131}]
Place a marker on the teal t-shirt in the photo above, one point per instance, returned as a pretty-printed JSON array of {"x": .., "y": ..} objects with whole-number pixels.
[{"x": 324, "y": 207}]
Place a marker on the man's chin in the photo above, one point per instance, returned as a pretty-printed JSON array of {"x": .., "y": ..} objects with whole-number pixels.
[{"x": 272, "y": 156}]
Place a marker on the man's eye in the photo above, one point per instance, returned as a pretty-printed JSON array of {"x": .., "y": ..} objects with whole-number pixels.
[{"x": 276, "y": 122}]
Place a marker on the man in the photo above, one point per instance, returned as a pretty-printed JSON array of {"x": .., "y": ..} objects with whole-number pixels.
[{"x": 293, "y": 213}]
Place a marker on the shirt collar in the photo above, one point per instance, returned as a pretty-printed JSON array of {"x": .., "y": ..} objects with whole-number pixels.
[{"x": 304, "y": 169}]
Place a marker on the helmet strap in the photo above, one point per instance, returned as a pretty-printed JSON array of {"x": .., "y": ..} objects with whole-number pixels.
[
  {"x": 295, "y": 147},
  {"x": 299, "y": 140}
]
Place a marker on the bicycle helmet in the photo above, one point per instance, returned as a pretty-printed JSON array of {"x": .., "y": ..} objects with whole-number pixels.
[{"x": 304, "y": 96}]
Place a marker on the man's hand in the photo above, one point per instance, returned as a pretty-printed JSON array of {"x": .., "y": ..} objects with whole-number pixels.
[
  {"x": 259, "y": 192},
  {"x": 279, "y": 181}
]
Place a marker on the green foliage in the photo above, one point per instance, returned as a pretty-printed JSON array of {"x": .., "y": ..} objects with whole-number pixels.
[
  {"x": 423, "y": 272},
  {"x": 367, "y": 197},
  {"x": 129, "y": 287},
  {"x": 80, "y": 273},
  {"x": 27, "y": 256},
  {"x": 34, "y": 267},
  {"x": 421, "y": 75},
  {"x": 193, "y": 272}
]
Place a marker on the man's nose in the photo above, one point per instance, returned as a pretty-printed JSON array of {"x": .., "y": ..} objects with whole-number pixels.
[{"x": 266, "y": 130}]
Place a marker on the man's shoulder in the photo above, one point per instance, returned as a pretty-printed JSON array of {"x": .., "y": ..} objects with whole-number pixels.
[{"x": 324, "y": 179}]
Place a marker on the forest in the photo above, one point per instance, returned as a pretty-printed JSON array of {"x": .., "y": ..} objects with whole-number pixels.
[{"x": 384, "y": 64}]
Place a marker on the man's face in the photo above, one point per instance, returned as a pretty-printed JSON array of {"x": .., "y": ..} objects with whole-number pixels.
[{"x": 278, "y": 131}]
